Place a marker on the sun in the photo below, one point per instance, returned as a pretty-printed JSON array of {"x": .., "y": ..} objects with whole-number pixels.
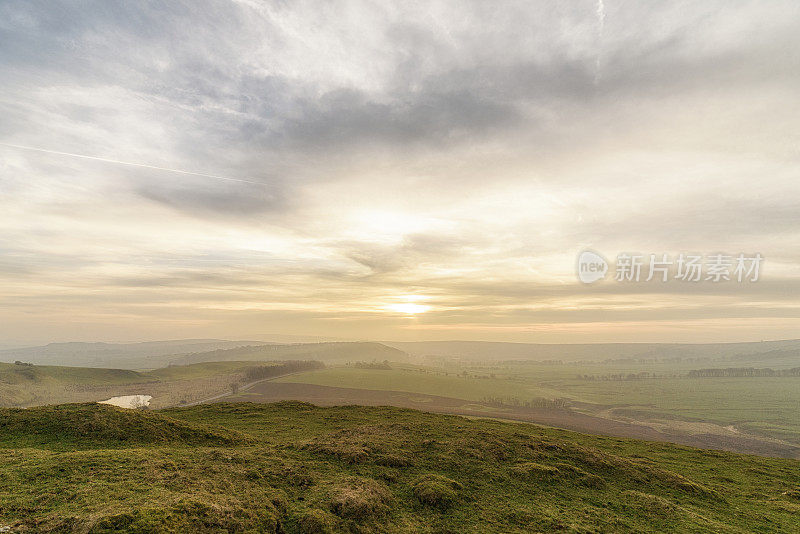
[{"x": 408, "y": 308}]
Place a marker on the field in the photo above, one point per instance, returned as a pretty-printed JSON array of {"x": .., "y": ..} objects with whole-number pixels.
[
  {"x": 670, "y": 402},
  {"x": 295, "y": 468},
  {"x": 743, "y": 403},
  {"x": 272, "y": 391}
]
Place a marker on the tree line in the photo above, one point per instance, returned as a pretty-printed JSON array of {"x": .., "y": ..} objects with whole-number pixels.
[
  {"x": 727, "y": 372},
  {"x": 740, "y": 372},
  {"x": 643, "y": 375},
  {"x": 374, "y": 364},
  {"x": 269, "y": 371},
  {"x": 514, "y": 402}
]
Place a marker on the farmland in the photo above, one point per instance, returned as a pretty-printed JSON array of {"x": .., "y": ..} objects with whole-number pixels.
[{"x": 667, "y": 400}]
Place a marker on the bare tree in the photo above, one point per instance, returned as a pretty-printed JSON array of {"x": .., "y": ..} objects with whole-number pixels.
[{"x": 139, "y": 403}]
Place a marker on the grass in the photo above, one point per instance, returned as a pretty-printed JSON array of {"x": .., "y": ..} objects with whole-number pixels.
[
  {"x": 32, "y": 385},
  {"x": 69, "y": 426},
  {"x": 201, "y": 370},
  {"x": 15, "y": 374},
  {"x": 765, "y": 405},
  {"x": 295, "y": 468},
  {"x": 412, "y": 380}
]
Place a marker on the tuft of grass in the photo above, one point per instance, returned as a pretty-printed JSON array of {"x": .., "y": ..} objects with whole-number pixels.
[
  {"x": 436, "y": 490},
  {"x": 535, "y": 471},
  {"x": 316, "y": 521},
  {"x": 190, "y": 516},
  {"x": 793, "y": 493},
  {"x": 360, "y": 498},
  {"x": 650, "y": 504}
]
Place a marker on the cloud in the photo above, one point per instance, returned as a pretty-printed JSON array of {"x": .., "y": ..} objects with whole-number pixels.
[
  {"x": 237, "y": 199},
  {"x": 486, "y": 144}
]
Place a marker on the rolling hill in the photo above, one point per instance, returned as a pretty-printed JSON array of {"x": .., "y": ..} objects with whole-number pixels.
[
  {"x": 295, "y": 468},
  {"x": 25, "y": 385},
  {"x": 117, "y": 355},
  {"x": 157, "y": 354},
  {"x": 330, "y": 351},
  {"x": 497, "y": 351}
]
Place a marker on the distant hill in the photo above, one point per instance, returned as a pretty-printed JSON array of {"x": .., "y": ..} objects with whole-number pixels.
[
  {"x": 334, "y": 351},
  {"x": 156, "y": 354},
  {"x": 488, "y": 350},
  {"x": 26, "y": 385},
  {"x": 116, "y": 355},
  {"x": 295, "y": 468},
  {"x": 773, "y": 357}
]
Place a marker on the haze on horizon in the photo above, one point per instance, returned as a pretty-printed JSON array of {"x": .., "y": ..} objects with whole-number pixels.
[{"x": 419, "y": 171}]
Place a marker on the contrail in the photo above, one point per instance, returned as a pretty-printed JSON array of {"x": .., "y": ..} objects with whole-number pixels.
[
  {"x": 143, "y": 165},
  {"x": 601, "y": 15},
  {"x": 601, "y": 22}
]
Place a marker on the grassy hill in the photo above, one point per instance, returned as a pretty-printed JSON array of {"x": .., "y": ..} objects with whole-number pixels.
[
  {"x": 495, "y": 351},
  {"x": 17, "y": 374},
  {"x": 70, "y": 426},
  {"x": 332, "y": 351},
  {"x": 674, "y": 402},
  {"x": 295, "y": 468},
  {"x": 149, "y": 354},
  {"x": 31, "y": 385}
]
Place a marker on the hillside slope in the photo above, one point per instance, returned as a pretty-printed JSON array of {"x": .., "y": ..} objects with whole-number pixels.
[
  {"x": 327, "y": 351},
  {"x": 497, "y": 351},
  {"x": 296, "y": 468},
  {"x": 25, "y": 385},
  {"x": 117, "y": 355}
]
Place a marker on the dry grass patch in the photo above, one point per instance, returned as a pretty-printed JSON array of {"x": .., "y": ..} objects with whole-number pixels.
[
  {"x": 535, "y": 471},
  {"x": 436, "y": 490},
  {"x": 381, "y": 444},
  {"x": 360, "y": 498}
]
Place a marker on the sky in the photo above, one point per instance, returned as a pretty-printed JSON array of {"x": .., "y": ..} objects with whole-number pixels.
[{"x": 395, "y": 170}]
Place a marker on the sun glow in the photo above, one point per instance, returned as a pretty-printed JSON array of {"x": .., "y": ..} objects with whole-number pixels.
[
  {"x": 409, "y": 308},
  {"x": 409, "y": 305}
]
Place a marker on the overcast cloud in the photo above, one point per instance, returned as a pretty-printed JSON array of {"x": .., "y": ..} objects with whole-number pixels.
[{"x": 302, "y": 167}]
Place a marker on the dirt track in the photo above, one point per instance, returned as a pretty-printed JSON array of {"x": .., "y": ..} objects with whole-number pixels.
[{"x": 332, "y": 396}]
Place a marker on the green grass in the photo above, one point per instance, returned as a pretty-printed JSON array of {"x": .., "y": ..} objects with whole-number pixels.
[
  {"x": 201, "y": 370},
  {"x": 766, "y": 405},
  {"x": 294, "y": 468},
  {"x": 69, "y": 426},
  {"x": 32, "y": 385},
  {"x": 15, "y": 374},
  {"x": 413, "y": 381}
]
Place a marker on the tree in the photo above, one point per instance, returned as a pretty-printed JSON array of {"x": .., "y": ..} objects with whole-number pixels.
[{"x": 139, "y": 403}]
